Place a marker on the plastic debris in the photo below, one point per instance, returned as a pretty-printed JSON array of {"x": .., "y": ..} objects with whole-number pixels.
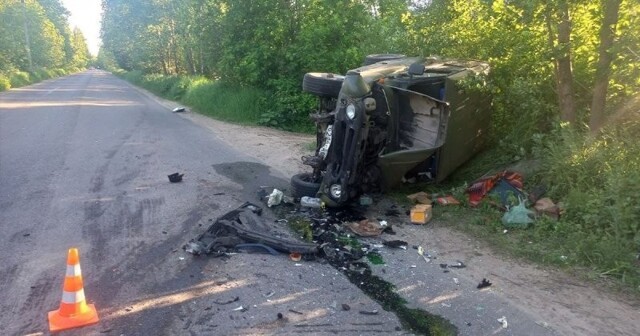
[
  {"x": 295, "y": 312},
  {"x": 310, "y": 202},
  {"x": 175, "y": 177},
  {"x": 458, "y": 264},
  {"x": 456, "y": 281},
  {"x": 484, "y": 283},
  {"x": 241, "y": 308},
  {"x": 179, "y": 109},
  {"x": 346, "y": 307},
  {"x": 503, "y": 321},
  {"x": 270, "y": 294},
  {"x": 369, "y": 312},
  {"x": 395, "y": 244},
  {"x": 237, "y": 298},
  {"x": 365, "y": 200},
  {"x": 518, "y": 216},
  {"x": 426, "y": 257},
  {"x": 275, "y": 198}
]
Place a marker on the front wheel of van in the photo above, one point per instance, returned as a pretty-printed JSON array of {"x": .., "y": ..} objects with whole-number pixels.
[{"x": 304, "y": 184}]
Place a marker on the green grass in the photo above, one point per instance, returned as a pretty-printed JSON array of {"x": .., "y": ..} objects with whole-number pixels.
[
  {"x": 240, "y": 105},
  {"x": 212, "y": 98}
]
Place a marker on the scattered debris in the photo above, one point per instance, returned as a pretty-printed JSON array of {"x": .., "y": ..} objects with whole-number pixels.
[
  {"x": 443, "y": 266},
  {"x": 295, "y": 256},
  {"x": 311, "y": 202},
  {"x": 175, "y": 177},
  {"x": 425, "y": 256},
  {"x": 456, "y": 281},
  {"x": 235, "y": 299},
  {"x": 365, "y": 200},
  {"x": 484, "y": 283},
  {"x": 420, "y": 197},
  {"x": 545, "y": 206},
  {"x": 421, "y": 214},
  {"x": 179, "y": 109},
  {"x": 375, "y": 258},
  {"x": 447, "y": 200},
  {"x": 243, "y": 226},
  {"x": 270, "y": 294},
  {"x": 296, "y": 312},
  {"x": 369, "y": 312},
  {"x": 395, "y": 244},
  {"x": 26, "y": 235},
  {"x": 458, "y": 264},
  {"x": 366, "y": 228},
  {"x": 275, "y": 198},
  {"x": 346, "y": 307},
  {"x": 503, "y": 321},
  {"x": 444, "y": 304},
  {"x": 257, "y": 248},
  {"x": 241, "y": 308}
]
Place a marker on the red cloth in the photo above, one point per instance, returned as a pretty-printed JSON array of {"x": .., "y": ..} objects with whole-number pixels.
[{"x": 480, "y": 188}]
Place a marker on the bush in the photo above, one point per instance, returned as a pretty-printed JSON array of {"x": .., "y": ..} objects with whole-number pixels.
[
  {"x": 288, "y": 107},
  {"x": 597, "y": 179},
  {"x": 5, "y": 84},
  {"x": 19, "y": 78},
  {"x": 236, "y": 104}
]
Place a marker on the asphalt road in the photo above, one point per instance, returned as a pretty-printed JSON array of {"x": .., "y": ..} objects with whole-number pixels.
[{"x": 84, "y": 161}]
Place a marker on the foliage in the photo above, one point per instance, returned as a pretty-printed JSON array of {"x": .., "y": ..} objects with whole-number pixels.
[
  {"x": 54, "y": 49},
  {"x": 5, "y": 83},
  {"x": 213, "y": 98}
]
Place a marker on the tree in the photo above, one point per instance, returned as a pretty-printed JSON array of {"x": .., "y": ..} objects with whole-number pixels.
[{"x": 605, "y": 57}]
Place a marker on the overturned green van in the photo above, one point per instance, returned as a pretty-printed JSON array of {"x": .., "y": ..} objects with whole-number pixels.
[{"x": 391, "y": 120}]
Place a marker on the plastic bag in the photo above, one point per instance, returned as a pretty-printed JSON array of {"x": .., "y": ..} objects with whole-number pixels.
[
  {"x": 518, "y": 216},
  {"x": 275, "y": 198}
]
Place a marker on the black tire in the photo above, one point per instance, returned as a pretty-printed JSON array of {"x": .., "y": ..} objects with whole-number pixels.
[
  {"x": 303, "y": 184},
  {"x": 375, "y": 58},
  {"x": 322, "y": 84}
]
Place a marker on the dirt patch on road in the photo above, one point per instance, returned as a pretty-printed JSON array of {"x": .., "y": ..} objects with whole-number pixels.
[
  {"x": 565, "y": 305},
  {"x": 278, "y": 149}
]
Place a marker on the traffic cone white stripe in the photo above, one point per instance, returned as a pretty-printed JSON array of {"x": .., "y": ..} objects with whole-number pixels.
[
  {"x": 73, "y": 270},
  {"x": 73, "y": 297}
]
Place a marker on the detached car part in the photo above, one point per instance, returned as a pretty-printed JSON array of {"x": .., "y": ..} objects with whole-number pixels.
[{"x": 240, "y": 227}]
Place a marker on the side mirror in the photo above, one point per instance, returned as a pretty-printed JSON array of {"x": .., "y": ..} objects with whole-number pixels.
[{"x": 416, "y": 69}]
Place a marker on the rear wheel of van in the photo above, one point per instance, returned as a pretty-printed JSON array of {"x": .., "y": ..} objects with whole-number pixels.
[{"x": 322, "y": 84}]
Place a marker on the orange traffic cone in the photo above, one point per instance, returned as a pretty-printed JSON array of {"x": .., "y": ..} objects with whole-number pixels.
[{"x": 74, "y": 310}]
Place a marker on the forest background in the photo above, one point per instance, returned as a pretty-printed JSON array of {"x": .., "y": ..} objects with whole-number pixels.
[{"x": 565, "y": 77}]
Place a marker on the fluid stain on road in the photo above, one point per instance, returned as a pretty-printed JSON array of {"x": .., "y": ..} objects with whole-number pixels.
[{"x": 251, "y": 175}]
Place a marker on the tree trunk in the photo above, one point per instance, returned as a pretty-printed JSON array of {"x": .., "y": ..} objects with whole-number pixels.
[
  {"x": 601, "y": 84},
  {"x": 562, "y": 59},
  {"x": 565, "y": 75}
]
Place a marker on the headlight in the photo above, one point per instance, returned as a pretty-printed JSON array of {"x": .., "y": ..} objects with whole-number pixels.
[
  {"x": 336, "y": 190},
  {"x": 351, "y": 111}
]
